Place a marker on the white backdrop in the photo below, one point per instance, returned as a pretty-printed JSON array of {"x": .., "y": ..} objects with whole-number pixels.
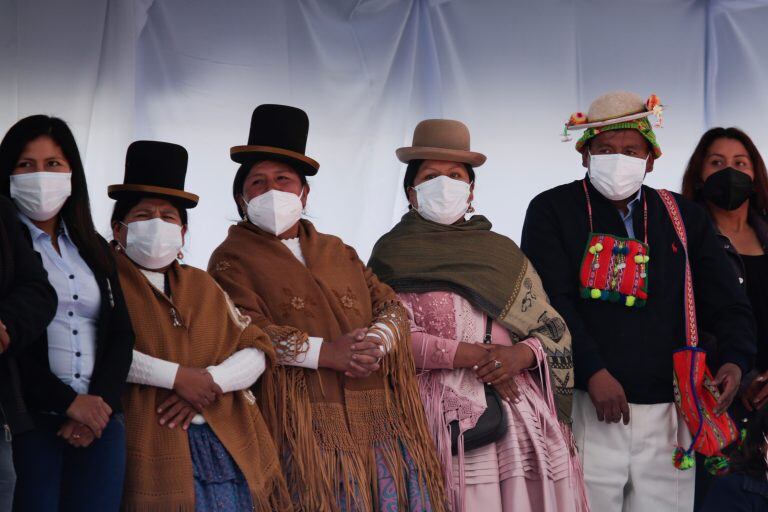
[{"x": 191, "y": 72}]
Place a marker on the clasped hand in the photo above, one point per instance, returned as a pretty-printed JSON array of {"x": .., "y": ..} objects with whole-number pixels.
[
  {"x": 193, "y": 390},
  {"x": 499, "y": 366},
  {"x": 357, "y": 354}
]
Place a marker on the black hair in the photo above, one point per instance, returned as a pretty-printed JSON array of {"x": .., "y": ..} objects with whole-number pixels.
[
  {"x": 750, "y": 458},
  {"x": 76, "y": 212},
  {"x": 692, "y": 182},
  {"x": 125, "y": 205},
  {"x": 239, "y": 181},
  {"x": 413, "y": 169}
]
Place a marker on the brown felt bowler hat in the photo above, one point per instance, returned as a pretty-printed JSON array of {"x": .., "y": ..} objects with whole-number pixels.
[
  {"x": 156, "y": 169},
  {"x": 441, "y": 139}
]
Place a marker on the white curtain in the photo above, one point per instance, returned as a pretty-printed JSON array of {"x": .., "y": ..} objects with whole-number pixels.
[{"x": 366, "y": 71}]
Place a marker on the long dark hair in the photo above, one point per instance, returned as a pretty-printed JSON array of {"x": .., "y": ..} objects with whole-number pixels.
[
  {"x": 7, "y": 264},
  {"x": 76, "y": 212},
  {"x": 692, "y": 182},
  {"x": 750, "y": 459}
]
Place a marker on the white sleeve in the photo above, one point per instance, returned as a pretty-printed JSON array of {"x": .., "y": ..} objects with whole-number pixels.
[
  {"x": 240, "y": 370},
  {"x": 152, "y": 371},
  {"x": 309, "y": 359}
]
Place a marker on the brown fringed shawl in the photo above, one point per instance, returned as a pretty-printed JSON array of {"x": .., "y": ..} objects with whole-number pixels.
[
  {"x": 208, "y": 329},
  {"x": 490, "y": 271},
  {"x": 326, "y": 425}
]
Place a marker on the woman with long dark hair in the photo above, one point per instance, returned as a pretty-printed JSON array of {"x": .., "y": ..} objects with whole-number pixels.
[
  {"x": 745, "y": 487},
  {"x": 727, "y": 175},
  {"x": 74, "y": 459}
]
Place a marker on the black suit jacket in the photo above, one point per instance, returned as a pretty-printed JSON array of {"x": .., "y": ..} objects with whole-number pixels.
[
  {"x": 114, "y": 350},
  {"x": 636, "y": 344},
  {"x": 27, "y": 305}
]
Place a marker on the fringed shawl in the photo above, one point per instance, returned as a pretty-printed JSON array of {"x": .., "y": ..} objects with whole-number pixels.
[
  {"x": 198, "y": 326},
  {"x": 487, "y": 269},
  {"x": 327, "y": 426}
]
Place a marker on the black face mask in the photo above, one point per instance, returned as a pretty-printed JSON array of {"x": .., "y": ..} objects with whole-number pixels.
[{"x": 727, "y": 188}]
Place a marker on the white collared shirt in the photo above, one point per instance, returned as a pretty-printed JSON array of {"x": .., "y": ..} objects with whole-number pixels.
[{"x": 72, "y": 332}]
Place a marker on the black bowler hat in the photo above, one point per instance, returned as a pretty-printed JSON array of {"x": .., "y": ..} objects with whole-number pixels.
[
  {"x": 155, "y": 168},
  {"x": 278, "y": 132}
]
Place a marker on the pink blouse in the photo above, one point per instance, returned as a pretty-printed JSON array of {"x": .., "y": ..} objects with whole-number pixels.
[{"x": 533, "y": 461}]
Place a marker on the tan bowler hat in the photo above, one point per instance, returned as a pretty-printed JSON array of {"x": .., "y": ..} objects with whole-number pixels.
[
  {"x": 616, "y": 107},
  {"x": 441, "y": 139}
]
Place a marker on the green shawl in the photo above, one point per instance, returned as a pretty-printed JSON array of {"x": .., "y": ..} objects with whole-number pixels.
[{"x": 487, "y": 269}]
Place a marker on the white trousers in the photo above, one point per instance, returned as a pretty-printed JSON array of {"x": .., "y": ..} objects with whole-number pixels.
[{"x": 628, "y": 468}]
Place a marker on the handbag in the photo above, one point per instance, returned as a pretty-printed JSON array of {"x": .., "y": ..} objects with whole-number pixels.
[
  {"x": 695, "y": 394},
  {"x": 491, "y": 425}
]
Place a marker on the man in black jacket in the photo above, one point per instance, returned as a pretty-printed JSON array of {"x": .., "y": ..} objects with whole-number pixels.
[
  {"x": 613, "y": 266},
  {"x": 27, "y": 305}
]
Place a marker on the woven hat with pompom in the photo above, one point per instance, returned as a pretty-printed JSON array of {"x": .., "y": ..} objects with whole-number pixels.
[{"x": 618, "y": 110}]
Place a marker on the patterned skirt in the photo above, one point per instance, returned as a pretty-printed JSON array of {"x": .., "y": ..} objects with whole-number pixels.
[
  {"x": 388, "y": 489},
  {"x": 219, "y": 484}
]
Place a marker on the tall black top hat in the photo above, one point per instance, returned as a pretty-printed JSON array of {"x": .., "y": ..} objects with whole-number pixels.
[
  {"x": 155, "y": 168},
  {"x": 278, "y": 132}
]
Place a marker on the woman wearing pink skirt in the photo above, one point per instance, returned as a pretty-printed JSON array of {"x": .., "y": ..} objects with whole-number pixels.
[{"x": 496, "y": 371}]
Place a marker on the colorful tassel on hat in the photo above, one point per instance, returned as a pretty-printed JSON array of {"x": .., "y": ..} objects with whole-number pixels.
[
  {"x": 717, "y": 465},
  {"x": 683, "y": 459}
]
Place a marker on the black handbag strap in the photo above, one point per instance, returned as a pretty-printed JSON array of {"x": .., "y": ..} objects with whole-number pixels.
[{"x": 488, "y": 325}]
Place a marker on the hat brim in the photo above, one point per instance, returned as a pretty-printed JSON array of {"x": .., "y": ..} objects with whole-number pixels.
[
  {"x": 185, "y": 199},
  {"x": 302, "y": 163},
  {"x": 606, "y": 122},
  {"x": 472, "y": 158}
]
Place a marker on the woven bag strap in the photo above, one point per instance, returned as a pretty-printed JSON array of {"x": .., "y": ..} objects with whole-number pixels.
[{"x": 689, "y": 306}]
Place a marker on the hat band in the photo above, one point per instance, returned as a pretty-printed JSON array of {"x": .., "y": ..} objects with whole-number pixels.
[
  {"x": 239, "y": 150},
  {"x": 114, "y": 190}
]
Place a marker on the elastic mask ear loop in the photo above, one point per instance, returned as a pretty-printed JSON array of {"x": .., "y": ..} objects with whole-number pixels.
[
  {"x": 303, "y": 208},
  {"x": 245, "y": 207},
  {"x": 119, "y": 245}
]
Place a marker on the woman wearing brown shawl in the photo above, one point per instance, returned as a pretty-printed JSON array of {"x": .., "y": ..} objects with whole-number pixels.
[
  {"x": 464, "y": 285},
  {"x": 195, "y": 437},
  {"x": 343, "y": 403}
]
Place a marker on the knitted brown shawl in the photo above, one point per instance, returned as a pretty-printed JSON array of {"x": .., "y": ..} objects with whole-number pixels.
[
  {"x": 326, "y": 425},
  {"x": 207, "y": 329}
]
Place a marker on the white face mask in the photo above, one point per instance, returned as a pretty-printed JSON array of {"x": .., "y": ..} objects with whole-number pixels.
[
  {"x": 616, "y": 176},
  {"x": 153, "y": 243},
  {"x": 443, "y": 200},
  {"x": 40, "y": 195},
  {"x": 275, "y": 211}
]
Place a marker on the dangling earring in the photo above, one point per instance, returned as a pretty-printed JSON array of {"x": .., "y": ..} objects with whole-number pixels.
[
  {"x": 180, "y": 255},
  {"x": 471, "y": 208}
]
